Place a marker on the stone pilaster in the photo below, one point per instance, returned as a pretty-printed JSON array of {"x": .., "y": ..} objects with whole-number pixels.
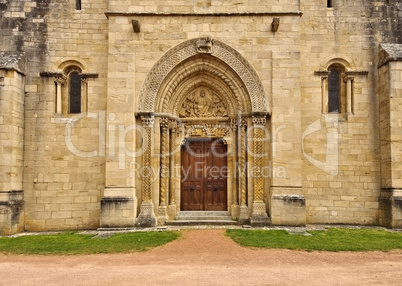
[
  {"x": 12, "y": 130},
  {"x": 147, "y": 215},
  {"x": 259, "y": 215}
]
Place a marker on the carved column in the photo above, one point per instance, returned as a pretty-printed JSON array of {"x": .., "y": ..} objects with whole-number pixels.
[
  {"x": 59, "y": 82},
  {"x": 84, "y": 94},
  {"x": 235, "y": 209},
  {"x": 324, "y": 94},
  {"x": 164, "y": 170},
  {"x": 244, "y": 212},
  {"x": 259, "y": 215},
  {"x": 349, "y": 82},
  {"x": 147, "y": 215},
  {"x": 172, "y": 173}
]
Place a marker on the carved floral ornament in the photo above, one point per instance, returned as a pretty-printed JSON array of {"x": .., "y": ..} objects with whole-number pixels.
[
  {"x": 207, "y": 130},
  {"x": 202, "y": 103}
]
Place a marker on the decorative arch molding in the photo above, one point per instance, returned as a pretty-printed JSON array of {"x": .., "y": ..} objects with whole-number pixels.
[
  {"x": 179, "y": 54},
  {"x": 343, "y": 60},
  {"x": 66, "y": 63},
  {"x": 201, "y": 71}
]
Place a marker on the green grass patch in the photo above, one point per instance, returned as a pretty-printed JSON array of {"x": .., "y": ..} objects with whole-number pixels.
[
  {"x": 333, "y": 239},
  {"x": 69, "y": 243}
]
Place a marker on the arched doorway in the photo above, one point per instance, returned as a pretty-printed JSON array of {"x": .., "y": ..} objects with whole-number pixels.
[{"x": 203, "y": 91}]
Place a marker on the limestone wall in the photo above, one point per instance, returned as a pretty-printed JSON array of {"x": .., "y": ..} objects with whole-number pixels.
[
  {"x": 200, "y": 6},
  {"x": 65, "y": 154},
  {"x": 11, "y": 150},
  {"x": 11, "y": 129},
  {"x": 330, "y": 162},
  {"x": 396, "y": 124},
  {"x": 341, "y": 174}
]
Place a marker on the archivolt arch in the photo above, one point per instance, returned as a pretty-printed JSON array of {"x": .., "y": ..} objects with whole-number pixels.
[
  {"x": 207, "y": 72},
  {"x": 204, "y": 81},
  {"x": 247, "y": 76},
  {"x": 345, "y": 61}
]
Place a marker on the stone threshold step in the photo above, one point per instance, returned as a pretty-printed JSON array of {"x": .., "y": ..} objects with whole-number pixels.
[
  {"x": 203, "y": 218},
  {"x": 202, "y": 213},
  {"x": 201, "y": 222}
]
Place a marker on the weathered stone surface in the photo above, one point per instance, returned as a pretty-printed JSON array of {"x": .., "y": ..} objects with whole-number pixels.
[{"x": 338, "y": 164}]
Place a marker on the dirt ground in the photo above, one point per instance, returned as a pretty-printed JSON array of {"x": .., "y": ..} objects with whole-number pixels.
[{"x": 205, "y": 257}]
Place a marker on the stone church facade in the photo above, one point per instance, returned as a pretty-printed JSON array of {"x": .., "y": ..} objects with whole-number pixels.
[{"x": 130, "y": 113}]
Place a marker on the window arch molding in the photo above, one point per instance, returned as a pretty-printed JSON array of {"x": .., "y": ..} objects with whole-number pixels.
[
  {"x": 337, "y": 85},
  {"x": 343, "y": 60},
  {"x": 65, "y": 64},
  {"x": 71, "y": 95}
]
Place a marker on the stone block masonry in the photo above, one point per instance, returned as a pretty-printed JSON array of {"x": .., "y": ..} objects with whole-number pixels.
[{"x": 90, "y": 106}]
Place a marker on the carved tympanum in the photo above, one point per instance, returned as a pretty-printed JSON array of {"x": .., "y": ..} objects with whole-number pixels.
[{"x": 202, "y": 103}]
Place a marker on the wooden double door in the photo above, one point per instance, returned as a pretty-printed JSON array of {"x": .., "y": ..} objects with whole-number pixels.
[{"x": 204, "y": 175}]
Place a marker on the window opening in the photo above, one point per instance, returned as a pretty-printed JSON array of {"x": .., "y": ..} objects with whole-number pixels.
[
  {"x": 330, "y": 4},
  {"x": 333, "y": 91},
  {"x": 75, "y": 93},
  {"x": 77, "y": 4}
]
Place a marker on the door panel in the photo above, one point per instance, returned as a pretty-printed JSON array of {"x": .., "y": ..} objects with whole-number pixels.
[
  {"x": 204, "y": 175},
  {"x": 192, "y": 197}
]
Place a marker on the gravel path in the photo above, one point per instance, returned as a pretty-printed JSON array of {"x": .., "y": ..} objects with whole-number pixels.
[{"x": 205, "y": 257}]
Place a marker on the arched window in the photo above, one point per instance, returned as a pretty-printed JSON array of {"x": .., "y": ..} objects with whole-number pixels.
[
  {"x": 71, "y": 86},
  {"x": 334, "y": 89},
  {"x": 74, "y": 98}
]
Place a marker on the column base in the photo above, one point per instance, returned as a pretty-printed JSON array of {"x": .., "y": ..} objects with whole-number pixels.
[
  {"x": 11, "y": 212},
  {"x": 390, "y": 208},
  {"x": 259, "y": 216},
  {"x": 171, "y": 212},
  {"x": 288, "y": 210},
  {"x": 118, "y": 207},
  {"x": 162, "y": 215},
  {"x": 244, "y": 217},
  {"x": 147, "y": 216},
  {"x": 235, "y": 211}
]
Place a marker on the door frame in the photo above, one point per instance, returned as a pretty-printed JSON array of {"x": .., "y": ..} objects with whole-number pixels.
[{"x": 204, "y": 191}]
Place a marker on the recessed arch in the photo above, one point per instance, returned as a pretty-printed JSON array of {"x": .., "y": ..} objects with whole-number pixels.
[
  {"x": 230, "y": 61},
  {"x": 344, "y": 61},
  {"x": 202, "y": 81},
  {"x": 209, "y": 72},
  {"x": 65, "y": 65}
]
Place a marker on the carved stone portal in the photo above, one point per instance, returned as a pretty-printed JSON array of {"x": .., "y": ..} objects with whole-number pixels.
[{"x": 202, "y": 103}]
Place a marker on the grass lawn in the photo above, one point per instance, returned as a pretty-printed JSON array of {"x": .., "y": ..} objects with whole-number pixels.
[
  {"x": 68, "y": 243},
  {"x": 333, "y": 239}
]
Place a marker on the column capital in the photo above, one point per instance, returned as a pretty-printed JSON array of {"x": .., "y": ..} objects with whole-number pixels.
[
  {"x": 148, "y": 120},
  {"x": 242, "y": 122},
  {"x": 60, "y": 80},
  {"x": 348, "y": 78},
  {"x": 259, "y": 120},
  {"x": 173, "y": 125},
  {"x": 164, "y": 123}
]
